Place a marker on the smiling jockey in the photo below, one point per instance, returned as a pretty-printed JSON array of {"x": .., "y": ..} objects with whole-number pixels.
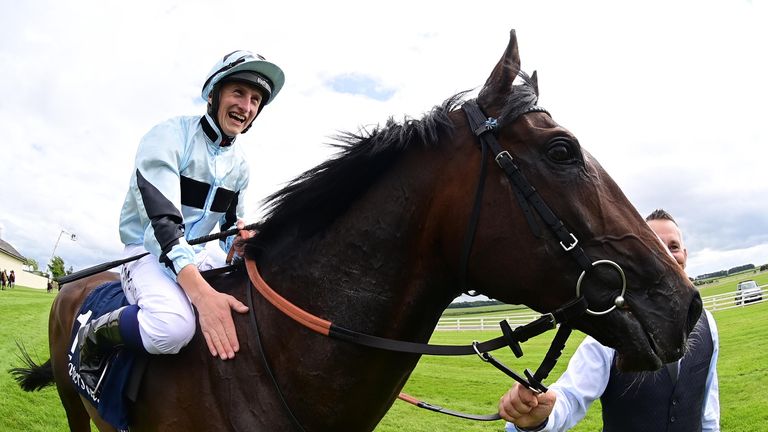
[{"x": 189, "y": 176}]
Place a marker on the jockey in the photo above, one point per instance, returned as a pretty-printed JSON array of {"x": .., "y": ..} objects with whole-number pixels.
[{"x": 189, "y": 176}]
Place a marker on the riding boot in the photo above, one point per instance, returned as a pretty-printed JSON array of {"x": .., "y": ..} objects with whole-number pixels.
[{"x": 97, "y": 340}]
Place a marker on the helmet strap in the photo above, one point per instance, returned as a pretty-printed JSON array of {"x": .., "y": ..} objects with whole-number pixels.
[
  {"x": 254, "y": 119},
  {"x": 213, "y": 113}
]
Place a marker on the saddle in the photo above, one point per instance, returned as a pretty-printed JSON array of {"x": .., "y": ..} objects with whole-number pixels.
[
  {"x": 121, "y": 375},
  {"x": 118, "y": 388}
]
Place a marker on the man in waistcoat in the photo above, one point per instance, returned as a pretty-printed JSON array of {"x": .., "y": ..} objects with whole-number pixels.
[{"x": 680, "y": 397}]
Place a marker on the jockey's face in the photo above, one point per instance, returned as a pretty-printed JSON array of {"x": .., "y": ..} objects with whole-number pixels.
[{"x": 238, "y": 105}]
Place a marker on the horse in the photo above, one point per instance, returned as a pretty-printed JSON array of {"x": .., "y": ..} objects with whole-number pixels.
[{"x": 382, "y": 238}]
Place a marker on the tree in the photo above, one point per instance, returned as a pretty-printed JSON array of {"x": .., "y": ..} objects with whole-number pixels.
[
  {"x": 33, "y": 265},
  {"x": 56, "y": 267}
]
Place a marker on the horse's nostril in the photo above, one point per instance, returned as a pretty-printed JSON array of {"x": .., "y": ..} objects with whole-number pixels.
[{"x": 694, "y": 311}]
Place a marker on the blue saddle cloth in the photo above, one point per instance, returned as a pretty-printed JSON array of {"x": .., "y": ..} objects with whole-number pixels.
[{"x": 110, "y": 399}]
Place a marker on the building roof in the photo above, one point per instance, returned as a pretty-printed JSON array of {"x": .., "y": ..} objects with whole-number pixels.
[{"x": 6, "y": 248}]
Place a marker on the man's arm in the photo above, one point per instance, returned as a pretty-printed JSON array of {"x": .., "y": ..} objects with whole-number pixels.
[
  {"x": 214, "y": 311},
  {"x": 583, "y": 381},
  {"x": 710, "y": 418}
]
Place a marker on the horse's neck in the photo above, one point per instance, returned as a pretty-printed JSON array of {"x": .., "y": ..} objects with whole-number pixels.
[
  {"x": 365, "y": 270},
  {"x": 375, "y": 271}
]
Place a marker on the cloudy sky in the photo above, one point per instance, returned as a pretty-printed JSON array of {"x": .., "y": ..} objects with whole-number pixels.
[{"x": 669, "y": 96}]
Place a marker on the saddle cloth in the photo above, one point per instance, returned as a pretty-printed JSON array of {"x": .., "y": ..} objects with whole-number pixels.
[{"x": 110, "y": 398}]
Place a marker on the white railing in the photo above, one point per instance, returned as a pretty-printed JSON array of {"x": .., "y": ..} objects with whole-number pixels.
[
  {"x": 711, "y": 303},
  {"x": 731, "y": 300},
  {"x": 486, "y": 322}
]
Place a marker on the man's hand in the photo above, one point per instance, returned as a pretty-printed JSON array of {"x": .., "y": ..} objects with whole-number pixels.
[
  {"x": 525, "y": 408},
  {"x": 214, "y": 314},
  {"x": 238, "y": 246}
]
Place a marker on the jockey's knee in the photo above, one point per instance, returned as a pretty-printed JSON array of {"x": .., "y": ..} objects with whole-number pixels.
[{"x": 168, "y": 333}]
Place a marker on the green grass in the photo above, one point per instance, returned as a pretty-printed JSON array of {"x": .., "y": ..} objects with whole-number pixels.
[
  {"x": 24, "y": 320},
  {"x": 743, "y": 368},
  {"x": 728, "y": 284},
  {"x": 460, "y": 383}
]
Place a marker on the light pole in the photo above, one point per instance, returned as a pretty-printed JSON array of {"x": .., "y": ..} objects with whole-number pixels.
[{"x": 72, "y": 237}]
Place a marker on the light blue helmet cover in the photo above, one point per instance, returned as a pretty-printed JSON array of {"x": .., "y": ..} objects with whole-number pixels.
[{"x": 239, "y": 61}]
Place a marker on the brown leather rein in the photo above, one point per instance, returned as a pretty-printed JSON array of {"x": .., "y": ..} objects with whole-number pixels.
[{"x": 511, "y": 338}]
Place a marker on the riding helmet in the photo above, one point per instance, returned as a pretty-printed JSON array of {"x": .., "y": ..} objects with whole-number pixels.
[{"x": 247, "y": 67}]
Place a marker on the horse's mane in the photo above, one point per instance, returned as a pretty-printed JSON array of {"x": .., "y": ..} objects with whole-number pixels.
[{"x": 314, "y": 199}]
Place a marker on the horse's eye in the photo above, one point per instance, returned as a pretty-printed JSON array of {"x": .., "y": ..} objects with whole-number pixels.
[{"x": 561, "y": 151}]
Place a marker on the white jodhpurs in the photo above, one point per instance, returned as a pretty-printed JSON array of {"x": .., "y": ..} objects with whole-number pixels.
[{"x": 166, "y": 317}]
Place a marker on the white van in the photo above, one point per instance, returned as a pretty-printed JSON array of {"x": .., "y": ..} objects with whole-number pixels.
[{"x": 747, "y": 292}]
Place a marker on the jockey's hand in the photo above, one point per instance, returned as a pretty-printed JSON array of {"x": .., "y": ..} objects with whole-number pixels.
[
  {"x": 525, "y": 408},
  {"x": 242, "y": 236},
  {"x": 213, "y": 309}
]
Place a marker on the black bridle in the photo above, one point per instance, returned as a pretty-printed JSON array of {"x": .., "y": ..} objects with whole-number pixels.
[
  {"x": 529, "y": 199},
  {"x": 484, "y": 128}
]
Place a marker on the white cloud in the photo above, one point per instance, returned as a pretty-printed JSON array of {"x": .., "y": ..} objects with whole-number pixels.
[{"x": 667, "y": 96}]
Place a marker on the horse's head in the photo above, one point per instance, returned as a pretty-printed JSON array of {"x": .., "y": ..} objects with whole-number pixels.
[
  {"x": 380, "y": 233},
  {"x": 519, "y": 253}
]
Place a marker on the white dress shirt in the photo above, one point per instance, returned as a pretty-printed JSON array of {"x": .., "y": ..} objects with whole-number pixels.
[{"x": 587, "y": 376}]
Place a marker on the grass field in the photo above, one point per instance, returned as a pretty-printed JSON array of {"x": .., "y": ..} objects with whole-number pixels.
[
  {"x": 728, "y": 283},
  {"x": 460, "y": 383}
]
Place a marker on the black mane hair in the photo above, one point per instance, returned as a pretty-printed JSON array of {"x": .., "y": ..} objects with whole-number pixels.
[{"x": 314, "y": 199}]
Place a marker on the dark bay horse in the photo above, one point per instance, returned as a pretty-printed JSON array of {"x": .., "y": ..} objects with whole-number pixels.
[{"x": 375, "y": 240}]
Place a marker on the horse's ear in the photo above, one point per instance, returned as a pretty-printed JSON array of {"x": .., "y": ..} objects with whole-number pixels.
[
  {"x": 535, "y": 82},
  {"x": 505, "y": 72}
]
